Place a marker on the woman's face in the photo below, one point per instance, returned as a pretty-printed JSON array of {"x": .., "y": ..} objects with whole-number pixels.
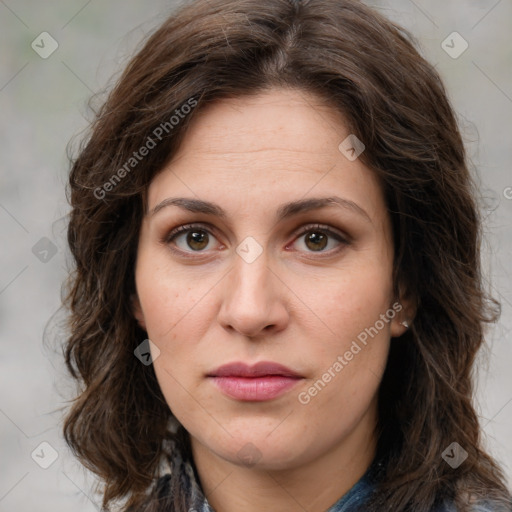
[{"x": 266, "y": 274}]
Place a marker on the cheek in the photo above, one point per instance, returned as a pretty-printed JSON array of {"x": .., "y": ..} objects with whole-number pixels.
[
  {"x": 350, "y": 361},
  {"x": 347, "y": 301},
  {"x": 352, "y": 340},
  {"x": 167, "y": 296},
  {"x": 178, "y": 312}
]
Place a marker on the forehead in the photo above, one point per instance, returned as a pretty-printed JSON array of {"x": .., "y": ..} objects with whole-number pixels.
[
  {"x": 286, "y": 119},
  {"x": 261, "y": 149}
]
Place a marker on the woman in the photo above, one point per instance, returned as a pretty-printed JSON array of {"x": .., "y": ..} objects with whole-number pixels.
[{"x": 277, "y": 300}]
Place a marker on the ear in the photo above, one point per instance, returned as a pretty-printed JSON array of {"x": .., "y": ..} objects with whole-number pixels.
[
  {"x": 137, "y": 311},
  {"x": 405, "y": 308}
]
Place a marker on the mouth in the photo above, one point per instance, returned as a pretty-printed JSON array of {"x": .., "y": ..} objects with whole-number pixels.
[{"x": 261, "y": 382}]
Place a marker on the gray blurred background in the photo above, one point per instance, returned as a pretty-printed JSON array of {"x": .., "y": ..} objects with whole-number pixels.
[{"x": 43, "y": 101}]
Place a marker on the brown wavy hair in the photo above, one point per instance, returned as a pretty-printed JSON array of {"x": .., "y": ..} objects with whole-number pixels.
[{"x": 368, "y": 69}]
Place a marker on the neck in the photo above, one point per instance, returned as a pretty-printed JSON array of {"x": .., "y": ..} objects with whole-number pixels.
[{"x": 314, "y": 485}]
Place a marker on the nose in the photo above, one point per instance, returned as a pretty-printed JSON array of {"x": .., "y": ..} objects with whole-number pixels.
[{"x": 253, "y": 299}]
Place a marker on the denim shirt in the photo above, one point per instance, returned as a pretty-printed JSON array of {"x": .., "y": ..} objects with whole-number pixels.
[{"x": 353, "y": 500}]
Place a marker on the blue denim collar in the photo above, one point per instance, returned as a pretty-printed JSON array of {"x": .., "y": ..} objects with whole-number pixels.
[{"x": 353, "y": 500}]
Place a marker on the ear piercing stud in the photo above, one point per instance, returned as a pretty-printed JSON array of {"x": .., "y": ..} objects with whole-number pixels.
[{"x": 405, "y": 324}]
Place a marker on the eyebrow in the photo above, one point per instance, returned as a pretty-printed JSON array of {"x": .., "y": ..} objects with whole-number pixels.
[{"x": 285, "y": 211}]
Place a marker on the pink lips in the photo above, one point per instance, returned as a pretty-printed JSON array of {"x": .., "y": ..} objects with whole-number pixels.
[{"x": 263, "y": 381}]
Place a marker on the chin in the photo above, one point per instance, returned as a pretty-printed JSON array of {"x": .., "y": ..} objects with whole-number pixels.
[{"x": 259, "y": 452}]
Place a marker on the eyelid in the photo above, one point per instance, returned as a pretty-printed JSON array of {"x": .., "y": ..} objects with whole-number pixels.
[
  {"x": 183, "y": 228},
  {"x": 343, "y": 238},
  {"x": 325, "y": 228}
]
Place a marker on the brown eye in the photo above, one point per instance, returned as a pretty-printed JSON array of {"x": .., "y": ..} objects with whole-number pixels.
[
  {"x": 316, "y": 241},
  {"x": 190, "y": 238},
  {"x": 316, "y": 238},
  {"x": 197, "y": 240}
]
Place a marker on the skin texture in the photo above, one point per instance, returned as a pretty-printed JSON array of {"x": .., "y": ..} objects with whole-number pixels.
[{"x": 293, "y": 304}]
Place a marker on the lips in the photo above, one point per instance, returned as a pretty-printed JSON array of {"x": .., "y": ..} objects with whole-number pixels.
[
  {"x": 261, "y": 369},
  {"x": 263, "y": 381}
]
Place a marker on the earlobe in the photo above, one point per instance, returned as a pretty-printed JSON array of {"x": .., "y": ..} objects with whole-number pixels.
[
  {"x": 404, "y": 317},
  {"x": 137, "y": 311},
  {"x": 398, "y": 327}
]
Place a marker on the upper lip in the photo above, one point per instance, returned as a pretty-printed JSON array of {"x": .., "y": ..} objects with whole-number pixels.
[{"x": 240, "y": 369}]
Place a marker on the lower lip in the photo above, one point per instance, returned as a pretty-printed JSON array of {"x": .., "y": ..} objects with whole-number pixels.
[{"x": 255, "y": 389}]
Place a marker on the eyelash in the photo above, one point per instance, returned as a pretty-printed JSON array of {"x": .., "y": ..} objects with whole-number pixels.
[{"x": 168, "y": 238}]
